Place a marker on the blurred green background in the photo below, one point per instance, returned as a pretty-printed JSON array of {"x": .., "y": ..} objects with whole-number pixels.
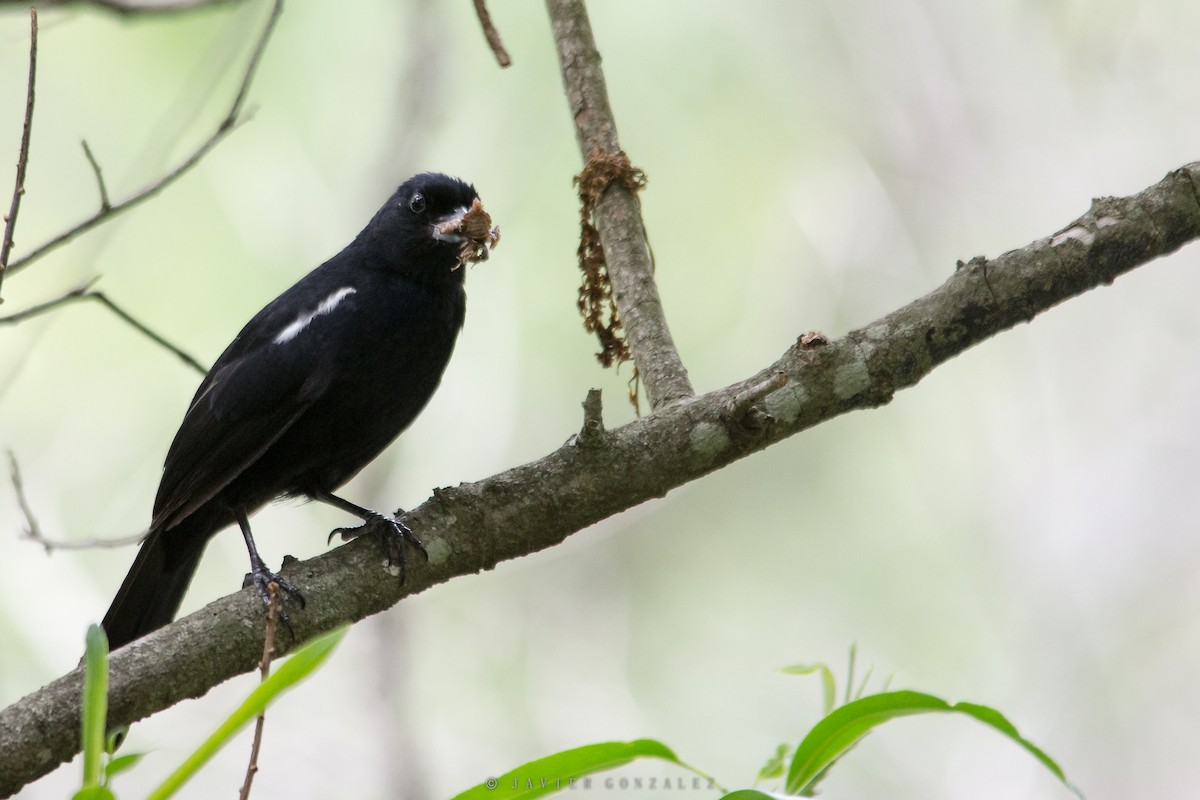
[{"x": 1019, "y": 530}]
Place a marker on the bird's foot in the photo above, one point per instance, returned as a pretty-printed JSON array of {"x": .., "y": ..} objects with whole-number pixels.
[
  {"x": 391, "y": 532},
  {"x": 262, "y": 578}
]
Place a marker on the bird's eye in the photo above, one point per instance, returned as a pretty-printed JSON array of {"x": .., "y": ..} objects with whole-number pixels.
[{"x": 417, "y": 203}]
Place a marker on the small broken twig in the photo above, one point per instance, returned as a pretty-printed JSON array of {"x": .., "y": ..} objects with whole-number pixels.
[
  {"x": 592, "y": 431},
  {"x": 742, "y": 402},
  {"x": 10, "y": 221}
]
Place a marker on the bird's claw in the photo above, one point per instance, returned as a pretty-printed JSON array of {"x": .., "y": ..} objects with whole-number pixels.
[
  {"x": 391, "y": 532},
  {"x": 262, "y": 578}
]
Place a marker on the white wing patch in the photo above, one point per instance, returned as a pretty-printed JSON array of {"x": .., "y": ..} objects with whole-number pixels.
[{"x": 301, "y": 322}]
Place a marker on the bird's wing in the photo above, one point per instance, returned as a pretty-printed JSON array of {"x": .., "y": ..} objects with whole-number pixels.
[
  {"x": 257, "y": 389},
  {"x": 242, "y": 409}
]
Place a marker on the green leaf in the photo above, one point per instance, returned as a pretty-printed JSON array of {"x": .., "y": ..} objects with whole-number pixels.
[
  {"x": 752, "y": 794},
  {"x": 94, "y": 793},
  {"x": 289, "y": 673},
  {"x": 829, "y": 686},
  {"x": 554, "y": 772},
  {"x": 122, "y": 764},
  {"x": 838, "y": 732},
  {"x": 95, "y": 704},
  {"x": 774, "y": 767},
  {"x": 992, "y": 717}
]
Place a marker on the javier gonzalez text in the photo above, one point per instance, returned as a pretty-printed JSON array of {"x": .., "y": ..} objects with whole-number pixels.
[{"x": 685, "y": 783}]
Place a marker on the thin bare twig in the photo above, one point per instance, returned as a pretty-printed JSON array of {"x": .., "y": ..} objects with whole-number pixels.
[
  {"x": 85, "y": 292},
  {"x": 231, "y": 120},
  {"x": 131, "y": 7},
  {"x": 252, "y": 66},
  {"x": 33, "y": 531},
  {"x": 105, "y": 203},
  {"x": 274, "y": 607},
  {"x": 102, "y": 298},
  {"x": 10, "y": 221},
  {"x": 493, "y": 35}
]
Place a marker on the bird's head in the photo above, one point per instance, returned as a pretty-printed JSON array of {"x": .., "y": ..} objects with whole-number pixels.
[{"x": 432, "y": 226}]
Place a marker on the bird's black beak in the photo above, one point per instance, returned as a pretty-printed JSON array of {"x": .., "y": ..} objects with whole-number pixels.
[{"x": 471, "y": 229}]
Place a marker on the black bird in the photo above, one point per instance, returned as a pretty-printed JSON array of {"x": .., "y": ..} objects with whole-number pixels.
[{"x": 315, "y": 386}]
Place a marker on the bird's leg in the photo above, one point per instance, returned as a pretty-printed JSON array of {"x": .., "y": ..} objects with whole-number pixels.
[
  {"x": 259, "y": 573},
  {"x": 390, "y": 531}
]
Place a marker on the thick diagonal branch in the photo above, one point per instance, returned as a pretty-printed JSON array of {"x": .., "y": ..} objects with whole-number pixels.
[
  {"x": 618, "y": 215},
  {"x": 475, "y": 526}
]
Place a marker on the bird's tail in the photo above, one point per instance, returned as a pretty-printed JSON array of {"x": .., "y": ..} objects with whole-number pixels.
[{"x": 151, "y": 593}]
